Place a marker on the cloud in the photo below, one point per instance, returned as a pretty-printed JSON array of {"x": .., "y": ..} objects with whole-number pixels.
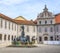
[
  {"x": 11, "y": 2},
  {"x": 27, "y": 8}
]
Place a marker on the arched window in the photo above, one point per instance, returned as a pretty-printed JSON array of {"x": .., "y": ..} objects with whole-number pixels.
[
  {"x": 8, "y": 37},
  {"x": 40, "y": 38},
  {"x": 12, "y": 37},
  {"x": 4, "y": 37},
  {"x": 45, "y": 38},
  {"x": 0, "y": 36},
  {"x": 45, "y": 22}
]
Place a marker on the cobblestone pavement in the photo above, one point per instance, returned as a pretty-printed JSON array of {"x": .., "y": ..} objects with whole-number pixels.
[{"x": 40, "y": 49}]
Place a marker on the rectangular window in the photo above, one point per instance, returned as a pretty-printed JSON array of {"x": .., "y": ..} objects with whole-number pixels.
[
  {"x": 39, "y": 29},
  {"x": 0, "y": 36},
  {"x": 57, "y": 29},
  {"x": 4, "y": 37},
  {"x": 51, "y": 38},
  {"x": 8, "y": 37},
  {"x": 20, "y": 28},
  {"x": 27, "y": 28},
  {"x": 5, "y": 24},
  {"x": 51, "y": 29},
  {"x": 45, "y": 22},
  {"x": 9, "y": 25},
  {"x": 40, "y": 38},
  {"x": 45, "y": 29},
  {"x": 57, "y": 38},
  {"x": 12, "y": 26},
  {"x": 33, "y": 28},
  {"x": 39, "y": 22},
  {"x": 51, "y": 21},
  {"x": 1, "y": 22},
  {"x": 15, "y": 27},
  {"x": 12, "y": 37}
]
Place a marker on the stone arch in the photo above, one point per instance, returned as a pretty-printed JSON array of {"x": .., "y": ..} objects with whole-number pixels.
[{"x": 45, "y": 38}]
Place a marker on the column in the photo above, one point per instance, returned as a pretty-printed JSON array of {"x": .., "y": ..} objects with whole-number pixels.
[{"x": 2, "y": 37}]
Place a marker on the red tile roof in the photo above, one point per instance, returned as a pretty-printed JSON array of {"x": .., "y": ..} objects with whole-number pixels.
[
  {"x": 35, "y": 21},
  {"x": 57, "y": 18},
  {"x": 25, "y": 22},
  {"x": 6, "y": 18}
]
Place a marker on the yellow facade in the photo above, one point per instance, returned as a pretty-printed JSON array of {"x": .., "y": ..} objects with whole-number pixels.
[{"x": 20, "y": 18}]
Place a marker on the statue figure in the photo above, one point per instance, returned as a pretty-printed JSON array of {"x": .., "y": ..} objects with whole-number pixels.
[
  {"x": 22, "y": 37},
  {"x": 22, "y": 33}
]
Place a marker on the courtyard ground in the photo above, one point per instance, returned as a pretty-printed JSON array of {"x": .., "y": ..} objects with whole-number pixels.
[{"x": 40, "y": 49}]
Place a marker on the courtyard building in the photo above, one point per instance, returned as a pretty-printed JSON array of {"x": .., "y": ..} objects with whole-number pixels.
[
  {"x": 11, "y": 29},
  {"x": 46, "y": 27}
]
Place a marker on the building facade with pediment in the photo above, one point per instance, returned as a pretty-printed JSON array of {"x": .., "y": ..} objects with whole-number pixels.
[{"x": 45, "y": 28}]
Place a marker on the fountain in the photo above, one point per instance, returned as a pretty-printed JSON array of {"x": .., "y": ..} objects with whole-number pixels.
[{"x": 22, "y": 37}]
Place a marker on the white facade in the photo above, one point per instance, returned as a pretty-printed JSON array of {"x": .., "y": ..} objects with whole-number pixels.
[
  {"x": 47, "y": 29},
  {"x": 7, "y": 34},
  {"x": 44, "y": 30},
  {"x": 10, "y": 30},
  {"x": 29, "y": 30}
]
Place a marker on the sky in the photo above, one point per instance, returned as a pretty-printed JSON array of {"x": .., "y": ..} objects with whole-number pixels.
[{"x": 28, "y": 8}]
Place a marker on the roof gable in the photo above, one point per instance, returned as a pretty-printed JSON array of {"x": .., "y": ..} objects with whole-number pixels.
[{"x": 20, "y": 18}]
